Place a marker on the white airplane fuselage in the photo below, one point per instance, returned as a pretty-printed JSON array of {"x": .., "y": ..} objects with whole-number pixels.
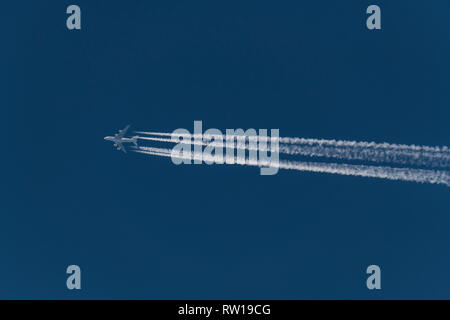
[{"x": 120, "y": 140}]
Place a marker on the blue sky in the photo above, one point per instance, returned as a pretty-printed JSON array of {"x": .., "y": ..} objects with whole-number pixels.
[{"x": 142, "y": 228}]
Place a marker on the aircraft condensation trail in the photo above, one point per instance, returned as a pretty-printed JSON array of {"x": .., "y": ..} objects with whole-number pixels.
[
  {"x": 331, "y": 142},
  {"x": 435, "y": 157},
  {"x": 384, "y": 172}
]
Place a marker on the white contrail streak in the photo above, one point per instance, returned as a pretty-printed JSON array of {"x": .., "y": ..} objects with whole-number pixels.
[
  {"x": 402, "y": 174},
  {"x": 323, "y": 142},
  {"x": 403, "y": 157},
  {"x": 372, "y": 154}
]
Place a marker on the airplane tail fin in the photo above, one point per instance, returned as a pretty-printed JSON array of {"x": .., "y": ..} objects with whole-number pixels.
[{"x": 134, "y": 139}]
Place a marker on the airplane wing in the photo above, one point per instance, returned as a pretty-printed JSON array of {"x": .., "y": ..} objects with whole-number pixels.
[
  {"x": 121, "y": 147},
  {"x": 122, "y": 132}
]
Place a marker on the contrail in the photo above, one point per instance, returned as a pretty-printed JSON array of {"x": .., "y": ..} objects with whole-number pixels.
[
  {"x": 344, "y": 150},
  {"x": 379, "y": 155},
  {"x": 402, "y": 174},
  {"x": 324, "y": 142}
]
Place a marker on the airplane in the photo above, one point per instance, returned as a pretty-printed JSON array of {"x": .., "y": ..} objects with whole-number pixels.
[{"x": 119, "y": 139}]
